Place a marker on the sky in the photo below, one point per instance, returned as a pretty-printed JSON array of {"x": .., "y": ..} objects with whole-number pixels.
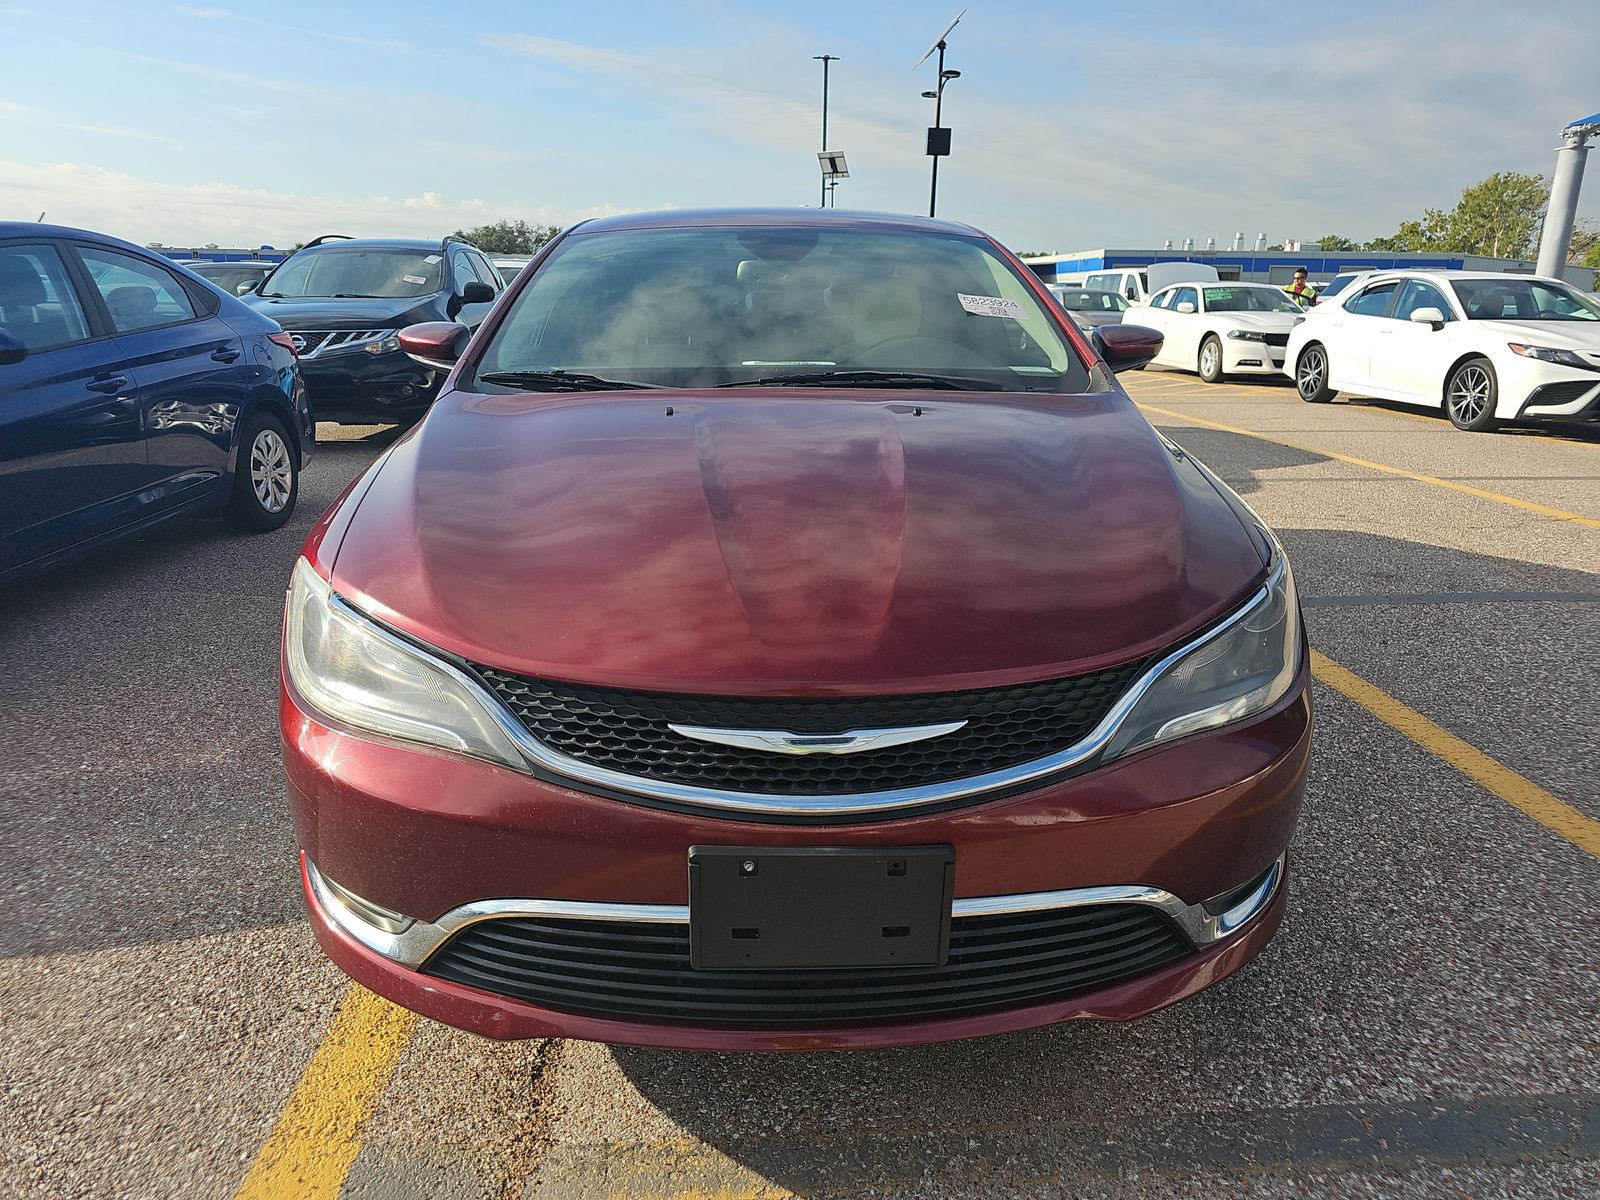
[{"x": 1076, "y": 125}]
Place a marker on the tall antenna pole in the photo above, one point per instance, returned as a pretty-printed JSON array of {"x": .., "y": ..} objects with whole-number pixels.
[{"x": 825, "y": 59}]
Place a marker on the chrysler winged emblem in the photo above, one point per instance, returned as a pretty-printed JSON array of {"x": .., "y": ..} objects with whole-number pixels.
[{"x": 779, "y": 741}]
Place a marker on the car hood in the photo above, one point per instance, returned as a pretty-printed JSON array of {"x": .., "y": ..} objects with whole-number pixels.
[
  {"x": 1560, "y": 335},
  {"x": 1260, "y": 321},
  {"x": 320, "y": 312},
  {"x": 801, "y": 542}
]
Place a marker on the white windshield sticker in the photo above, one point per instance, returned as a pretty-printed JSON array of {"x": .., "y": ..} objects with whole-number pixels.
[
  {"x": 432, "y": 258},
  {"x": 414, "y": 278},
  {"x": 990, "y": 306}
]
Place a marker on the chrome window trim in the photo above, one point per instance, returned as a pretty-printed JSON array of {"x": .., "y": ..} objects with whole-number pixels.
[
  {"x": 789, "y": 804},
  {"x": 413, "y": 947}
]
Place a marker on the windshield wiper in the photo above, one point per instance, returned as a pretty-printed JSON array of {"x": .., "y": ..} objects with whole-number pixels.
[
  {"x": 559, "y": 381},
  {"x": 894, "y": 379}
]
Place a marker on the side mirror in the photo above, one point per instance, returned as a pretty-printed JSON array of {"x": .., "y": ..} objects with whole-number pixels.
[
  {"x": 436, "y": 344},
  {"x": 1186, "y": 306},
  {"x": 477, "y": 292},
  {"x": 11, "y": 350},
  {"x": 248, "y": 286},
  {"x": 1428, "y": 316},
  {"x": 1127, "y": 347}
]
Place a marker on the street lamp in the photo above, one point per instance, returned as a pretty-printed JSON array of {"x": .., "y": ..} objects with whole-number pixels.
[{"x": 938, "y": 135}]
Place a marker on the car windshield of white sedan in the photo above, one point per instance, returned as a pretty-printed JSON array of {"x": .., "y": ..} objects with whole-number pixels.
[
  {"x": 345, "y": 273},
  {"x": 779, "y": 306},
  {"x": 1523, "y": 300},
  {"x": 1247, "y": 299}
]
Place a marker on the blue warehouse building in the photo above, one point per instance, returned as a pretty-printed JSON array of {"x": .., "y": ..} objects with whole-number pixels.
[{"x": 1277, "y": 266}]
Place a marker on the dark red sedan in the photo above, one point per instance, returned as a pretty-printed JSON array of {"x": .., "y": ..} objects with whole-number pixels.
[{"x": 784, "y": 633}]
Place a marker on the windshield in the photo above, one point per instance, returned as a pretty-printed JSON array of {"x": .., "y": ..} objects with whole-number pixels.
[
  {"x": 357, "y": 271},
  {"x": 1087, "y": 301},
  {"x": 228, "y": 278},
  {"x": 1248, "y": 299},
  {"x": 713, "y": 306},
  {"x": 1523, "y": 300}
]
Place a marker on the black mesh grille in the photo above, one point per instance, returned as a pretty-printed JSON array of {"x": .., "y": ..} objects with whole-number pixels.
[
  {"x": 308, "y": 340},
  {"x": 1277, "y": 339},
  {"x": 627, "y": 731},
  {"x": 1560, "y": 393},
  {"x": 641, "y": 971}
]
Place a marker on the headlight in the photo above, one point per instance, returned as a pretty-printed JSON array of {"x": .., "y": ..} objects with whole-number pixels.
[
  {"x": 349, "y": 669},
  {"x": 1245, "y": 667},
  {"x": 1246, "y": 335},
  {"x": 386, "y": 346},
  {"x": 1549, "y": 354}
]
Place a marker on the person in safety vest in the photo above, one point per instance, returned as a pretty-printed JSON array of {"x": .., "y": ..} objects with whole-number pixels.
[{"x": 1300, "y": 291}]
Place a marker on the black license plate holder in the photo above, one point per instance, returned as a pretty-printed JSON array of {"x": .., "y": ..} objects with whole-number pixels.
[{"x": 764, "y": 908}]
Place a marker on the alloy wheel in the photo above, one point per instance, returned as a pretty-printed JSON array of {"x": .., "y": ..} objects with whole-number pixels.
[
  {"x": 271, "y": 471},
  {"x": 1469, "y": 394},
  {"x": 1209, "y": 358},
  {"x": 1313, "y": 367}
]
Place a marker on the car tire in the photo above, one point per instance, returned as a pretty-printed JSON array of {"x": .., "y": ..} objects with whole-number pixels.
[
  {"x": 1311, "y": 375},
  {"x": 1470, "y": 396},
  {"x": 266, "y": 479},
  {"x": 1210, "y": 365}
]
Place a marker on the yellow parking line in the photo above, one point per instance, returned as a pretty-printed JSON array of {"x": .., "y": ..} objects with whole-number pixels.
[
  {"x": 1543, "y": 510},
  {"x": 1555, "y": 815},
  {"x": 309, "y": 1152}
]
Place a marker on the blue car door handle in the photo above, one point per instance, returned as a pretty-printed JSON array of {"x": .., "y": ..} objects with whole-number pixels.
[
  {"x": 110, "y": 385},
  {"x": 225, "y": 354}
]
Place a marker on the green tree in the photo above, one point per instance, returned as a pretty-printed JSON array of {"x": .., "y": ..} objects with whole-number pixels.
[
  {"x": 509, "y": 237},
  {"x": 1500, "y": 217},
  {"x": 1333, "y": 241},
  {"x": 1585, "y": 244}
]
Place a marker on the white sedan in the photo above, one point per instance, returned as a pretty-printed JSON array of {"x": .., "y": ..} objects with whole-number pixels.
[
  {"x": 1219, "y": 329},
  {"x": 1485, "y": 348}
]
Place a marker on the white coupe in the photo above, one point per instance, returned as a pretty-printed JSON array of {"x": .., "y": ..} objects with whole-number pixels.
[
  {"x": 1485, "y": 348},
  {"x": 1219, "y": 329}
]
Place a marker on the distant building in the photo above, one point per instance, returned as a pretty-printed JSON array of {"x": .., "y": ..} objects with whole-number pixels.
[
  {"x": 219, "y": 253},
  {"x": 1278, "y": 266}
]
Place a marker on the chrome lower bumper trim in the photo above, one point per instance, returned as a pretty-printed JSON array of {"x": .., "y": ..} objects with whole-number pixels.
[{"x": 413, "y": 947}]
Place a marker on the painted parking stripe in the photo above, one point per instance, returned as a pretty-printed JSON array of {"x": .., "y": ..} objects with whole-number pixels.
[
  {"x": 1555, "y": 815},
  {"x": 1544, "y": 510},
  {"x": 309, "y": 1151}
]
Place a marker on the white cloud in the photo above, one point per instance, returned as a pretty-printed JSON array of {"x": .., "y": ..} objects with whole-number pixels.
[
  {"x": 142, "y": 210},
  {"x": 10, "y": 110},
  {"x": 568, "y": 54}
]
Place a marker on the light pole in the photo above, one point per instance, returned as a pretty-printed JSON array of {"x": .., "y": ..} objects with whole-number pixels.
[
  {"x": 825, "y": 59},
  {"x": 938, "y": 136}
]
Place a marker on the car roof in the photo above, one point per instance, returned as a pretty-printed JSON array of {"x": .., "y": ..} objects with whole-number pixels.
[
  {"x": 812, "y": 218},
  {"x": 37, "y": 229},
  {"x": 336, "y": 243},
  {"x": 1448, "y": 274}
]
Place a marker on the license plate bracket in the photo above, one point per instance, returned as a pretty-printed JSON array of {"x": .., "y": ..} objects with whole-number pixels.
[{"x": 764, "y": 907}]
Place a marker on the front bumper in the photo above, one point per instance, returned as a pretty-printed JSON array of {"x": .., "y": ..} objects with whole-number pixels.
[
  {"x": 359, "y": 388},
  {"x": 1240, "y": 357},
  {"x": 433, "y": 835}
]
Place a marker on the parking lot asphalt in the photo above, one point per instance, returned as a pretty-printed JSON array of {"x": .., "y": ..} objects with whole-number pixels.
[{"x": 1425, "y": 1024}]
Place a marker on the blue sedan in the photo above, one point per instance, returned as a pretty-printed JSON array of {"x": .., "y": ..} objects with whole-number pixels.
[{"x": 132, "y": 391}]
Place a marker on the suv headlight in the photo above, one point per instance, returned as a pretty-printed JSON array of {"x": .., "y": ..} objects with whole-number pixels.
[
  {"x": 1247, "y": 335},
  {"x": 1245, "y": 666},
  {"x": 386, "y": 345},
  {"x": 349, "y": 669}
]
